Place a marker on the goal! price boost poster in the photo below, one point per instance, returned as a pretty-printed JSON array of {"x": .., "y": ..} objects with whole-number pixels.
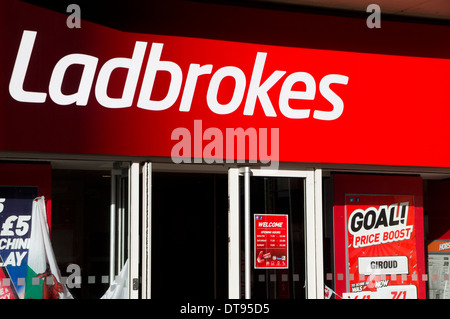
[{"x": 381, "y": 247}]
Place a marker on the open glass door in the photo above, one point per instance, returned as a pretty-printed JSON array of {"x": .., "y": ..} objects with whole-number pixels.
[
  {"x": 188, "y": 235},
  {"x": 272, "y": 231},
  {"x": 146, "y": 233},
  {"x": 124, "y": 226}
]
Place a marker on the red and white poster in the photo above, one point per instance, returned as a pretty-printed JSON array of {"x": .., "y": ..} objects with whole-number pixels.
[
  {"x": 378, "y": 237},
  {"x": 271, "y": 241},
  {"x": 381, "y": 247}
]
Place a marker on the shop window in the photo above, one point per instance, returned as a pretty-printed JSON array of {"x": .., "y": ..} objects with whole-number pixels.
[
  {"x": 54, "y": 232},
  {"x": 385, "y": 256},
  {"x": 437, "y": 237},
  {"x": 81, "y": 229}
]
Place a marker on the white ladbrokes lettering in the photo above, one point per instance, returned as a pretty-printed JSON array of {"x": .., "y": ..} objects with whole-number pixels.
[{"x": 256, "y": 88}]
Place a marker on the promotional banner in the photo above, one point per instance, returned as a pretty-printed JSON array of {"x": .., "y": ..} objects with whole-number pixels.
[
  {"x": 381, "y": 253},
  {"x": 378, "y": 237},
  {"x": 271, "y": 241},
  {"x": 15, "y": 223}
]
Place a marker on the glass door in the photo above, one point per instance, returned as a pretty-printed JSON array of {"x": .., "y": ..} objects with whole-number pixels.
[
  {"x": 272, "y": 230},
  {"x": 124, "y": 225},
  {"x": 189, "y": 234}
]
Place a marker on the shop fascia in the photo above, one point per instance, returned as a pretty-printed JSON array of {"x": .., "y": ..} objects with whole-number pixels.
[{"x": 256, "y": 88}]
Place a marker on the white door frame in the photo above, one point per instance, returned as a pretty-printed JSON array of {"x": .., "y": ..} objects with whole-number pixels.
[
  {"x": 313, "y": 228},
  {"x": 146, "y": 230},
  {"x": 124, "y": 210},
  {"x": 133, "y": 230}
]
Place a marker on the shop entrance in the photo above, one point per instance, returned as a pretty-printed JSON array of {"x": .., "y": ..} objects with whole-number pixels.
[
  {"x": 189, "y": 235},
  {"x": 378, "y": 236},
  {"x": 274, "y": 211}
]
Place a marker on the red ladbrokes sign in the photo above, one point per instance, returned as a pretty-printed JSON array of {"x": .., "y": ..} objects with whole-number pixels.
[
  {"x": 257, "y": 90},
  {"x": 102, "y": 91}
]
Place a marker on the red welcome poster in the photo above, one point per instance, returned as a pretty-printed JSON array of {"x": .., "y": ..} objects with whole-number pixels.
[{"x": 271, "y": 241}]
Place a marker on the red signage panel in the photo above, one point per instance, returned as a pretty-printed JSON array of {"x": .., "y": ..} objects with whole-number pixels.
[
  {"x": 97, "y": 90},
  {"x": 271, "y": 241}
]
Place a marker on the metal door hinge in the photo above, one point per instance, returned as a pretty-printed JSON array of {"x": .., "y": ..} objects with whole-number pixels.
[{"x": 135, "y": 283}]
